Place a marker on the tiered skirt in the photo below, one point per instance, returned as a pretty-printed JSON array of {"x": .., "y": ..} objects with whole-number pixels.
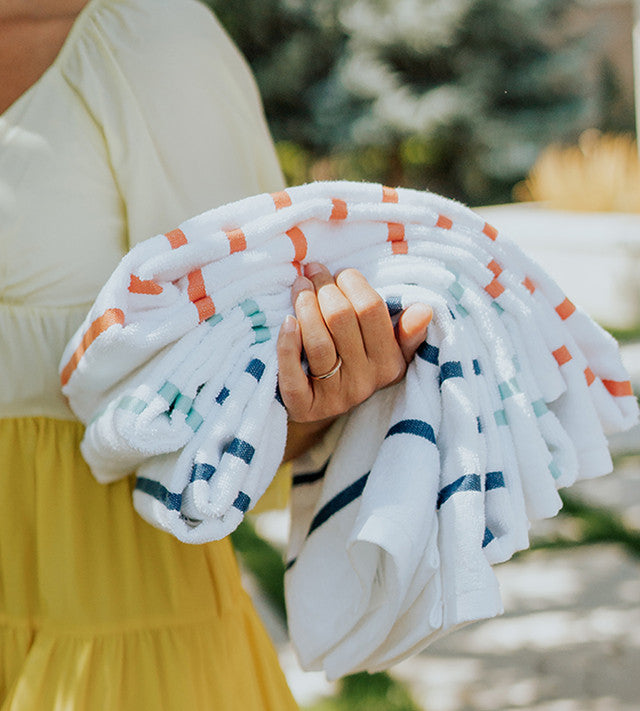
[{"x": 98, "y": 610}]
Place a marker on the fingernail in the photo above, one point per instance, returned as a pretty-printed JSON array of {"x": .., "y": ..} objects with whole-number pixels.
[
  {"x": 313, "y": 268},
  {"x": 289, "y": 324}
]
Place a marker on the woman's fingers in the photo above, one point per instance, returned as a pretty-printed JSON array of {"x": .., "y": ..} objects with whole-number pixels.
[
  {"x": 380, "y": 345},
  {"x": 317, "y": 341},
  {"x": 341, "y": 322},
  {"x": 295, "y": 389},
  {"x": 412, "y": 328}
]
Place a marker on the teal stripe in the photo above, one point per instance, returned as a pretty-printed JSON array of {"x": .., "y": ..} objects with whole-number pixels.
[
  {"x": 213, "y": 320},
  {"x": 262, "y": 334},
  {"x": 555, "y": 471},
  {"x": 169, "y": 392},
  {"x": 461, "y": 310},
  {"x": 250, "y": 307},
  {"x": 132, "y": 404},
  {"x": 504, "y": 389},
  {"x": 515, "y": 385},
  {"x": 183, "y": 403},
  {"x": 194, "y": 420},
  {"x": 540, "y": 408},
  {"x": 500, "y": 417},
  {"x": 497, "y": 307},
  {"x": 258, "y": 319},
  {"x": 456, "y": 290}
]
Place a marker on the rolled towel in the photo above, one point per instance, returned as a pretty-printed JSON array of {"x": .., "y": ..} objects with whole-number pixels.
[{"x": 429, "y": 482}]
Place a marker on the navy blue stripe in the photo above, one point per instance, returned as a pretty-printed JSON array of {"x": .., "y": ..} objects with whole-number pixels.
[
  {"x": 309, "y": 477},
  {"x": 476, "y": 366},
  {"x": 256, "y": 368},
  {"x": 339, "y": 501},
  {"x": 494, "y": 480},
  {"x": 453, "y": 316},
  {"x": 394, "y": 305},
  {"x": 290, "y": 564},
  {"x": 468, "y": 482},
  {"x": 168, "y": 499},
  {"x": 488, "y": 537},
  {"x": 479, "y": 423},
  {"x": 420, "y": 428},
  {"x": 451, "y": 369},
  {"x": 202, "y": 470},
  {"x": 222, "y": 395},
  {"x": 428, "y": 352},
  {"x": 242, "y": 501},
  {"x": 279, "y": 395},
  {"x": 241, "y": 449}
]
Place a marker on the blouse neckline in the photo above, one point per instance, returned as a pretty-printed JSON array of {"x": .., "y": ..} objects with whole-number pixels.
[{"x": 69, "y": 41}]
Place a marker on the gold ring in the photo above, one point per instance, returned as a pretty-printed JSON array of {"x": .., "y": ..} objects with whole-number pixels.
[{"x": 329, "y": 373}]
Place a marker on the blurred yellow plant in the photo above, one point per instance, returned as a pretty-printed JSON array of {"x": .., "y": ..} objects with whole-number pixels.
[{"x": 600, "y": 174}]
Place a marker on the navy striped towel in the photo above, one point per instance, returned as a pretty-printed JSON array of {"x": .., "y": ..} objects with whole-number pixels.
[{"x": 429, "y": 482}]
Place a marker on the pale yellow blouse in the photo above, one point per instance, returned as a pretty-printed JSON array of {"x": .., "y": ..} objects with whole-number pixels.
[{"x": 109, "y": 147}]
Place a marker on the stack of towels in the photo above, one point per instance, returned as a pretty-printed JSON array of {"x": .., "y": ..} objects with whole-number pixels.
[{"x": 428, "y": 483}]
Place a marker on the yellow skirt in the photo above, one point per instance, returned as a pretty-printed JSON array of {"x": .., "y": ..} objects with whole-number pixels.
[{"x": 98, "y": 610}]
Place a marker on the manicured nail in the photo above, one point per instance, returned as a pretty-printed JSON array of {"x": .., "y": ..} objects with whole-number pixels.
[
  {"x": 289, "y": 324},
  {"x": 313, "y": 268}
]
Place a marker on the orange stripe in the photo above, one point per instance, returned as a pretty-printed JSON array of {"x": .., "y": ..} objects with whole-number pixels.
[
  {"x": 389, "y": 194},
  {"x": 529, "y": 284},
  {"x": 206, "y": 308},
  {"x": 196, "y": 288},
  {"x": 562, "y": 355},
  {"x": 494, "y": 267},
  {"x": 298, "y": 267},
  {"x": 490, "y": 231},
  {"x": 146, "y": 286},
  {"x": 618, "y": 388},
  {"x": 176, "y": 238},
  {"x": 281, "y": 199},
  {"x": 109, "y": 318},
  {"x": 494, "y": 288},
  {"x": 296, "y": 235},
  {"x": 588, "y": 374},
  {"x": 396, "y": 231},
  {"x": 444, "y": 222},
  {"x": 339, "y": 211},
  {"x": 237, "y": 240},
  {"x": 565, "y": 309},
  {"x": 401, "y": 247}
]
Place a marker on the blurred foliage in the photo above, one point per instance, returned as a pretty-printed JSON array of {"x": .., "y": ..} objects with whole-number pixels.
[
  {"x": 599, "y": 174},
  {"x": 589, "y": 524},
  {"x": 368, "y": 692},
  {"x": 458, "y": 96}
]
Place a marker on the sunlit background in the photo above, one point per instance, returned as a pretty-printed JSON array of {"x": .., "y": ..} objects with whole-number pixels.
[{"x": 525, "y": 110}]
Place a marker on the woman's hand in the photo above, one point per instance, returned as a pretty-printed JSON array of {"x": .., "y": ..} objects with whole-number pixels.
[{"x": 340, "y": 318}]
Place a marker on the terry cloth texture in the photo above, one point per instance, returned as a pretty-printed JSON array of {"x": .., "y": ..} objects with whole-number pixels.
[{"x": 430, "y": 482}]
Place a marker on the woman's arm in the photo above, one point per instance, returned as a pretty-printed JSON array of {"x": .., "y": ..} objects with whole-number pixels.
[{"x": 339, "y": 318}]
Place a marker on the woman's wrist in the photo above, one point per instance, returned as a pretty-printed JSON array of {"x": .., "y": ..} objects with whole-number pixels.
[{"x": 301, "y": 436}]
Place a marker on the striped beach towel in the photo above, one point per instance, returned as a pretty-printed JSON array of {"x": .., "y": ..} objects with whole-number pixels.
[{"x": 425, "y": 485}]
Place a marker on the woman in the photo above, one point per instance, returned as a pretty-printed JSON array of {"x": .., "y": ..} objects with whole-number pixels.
[{"x": 119, "y": 119}]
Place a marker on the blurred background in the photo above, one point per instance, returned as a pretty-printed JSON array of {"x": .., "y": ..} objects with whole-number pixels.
[{"x": 525, "y": 110}]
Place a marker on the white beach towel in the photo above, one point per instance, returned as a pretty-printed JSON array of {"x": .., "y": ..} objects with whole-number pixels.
[{"x": 427, "y": 484}]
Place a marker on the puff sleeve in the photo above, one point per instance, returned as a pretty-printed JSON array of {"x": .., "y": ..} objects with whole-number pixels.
[{"x": 178, "y": 107}]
